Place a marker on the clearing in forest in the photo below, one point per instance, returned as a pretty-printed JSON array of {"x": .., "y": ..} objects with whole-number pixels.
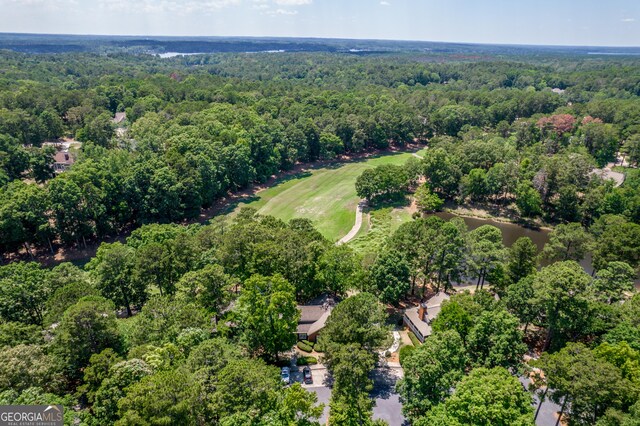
[{"x": 325, "y": 195}]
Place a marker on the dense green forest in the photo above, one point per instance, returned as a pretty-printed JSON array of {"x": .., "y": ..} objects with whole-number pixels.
[
  {"x": 181, "y": 323},
  {"x": 203, "y": 126}
]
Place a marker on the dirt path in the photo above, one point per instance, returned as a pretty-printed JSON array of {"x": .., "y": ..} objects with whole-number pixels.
[{"x": 356, "y": 226}]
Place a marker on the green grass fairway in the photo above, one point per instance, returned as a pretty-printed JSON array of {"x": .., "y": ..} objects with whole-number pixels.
[{"x": 326, "y": 195}]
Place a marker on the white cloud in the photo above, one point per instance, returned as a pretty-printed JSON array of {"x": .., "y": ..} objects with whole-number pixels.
[
  {"x": 162, "y": 6},
  {"x": 385, "y": 3},
  {"x": 282, "y": 12},
  {"x": 45, "y": 4},
  {"x": 292, "y": 2},
  {"x": 628, "y": 20}
]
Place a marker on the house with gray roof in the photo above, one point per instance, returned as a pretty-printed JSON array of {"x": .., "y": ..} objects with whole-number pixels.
[
  {"x": 418, "y": 318},
  {"x": 314, "y": 316}
]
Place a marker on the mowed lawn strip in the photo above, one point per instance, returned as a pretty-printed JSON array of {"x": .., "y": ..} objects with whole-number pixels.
[{"x": 327, "y": 197}]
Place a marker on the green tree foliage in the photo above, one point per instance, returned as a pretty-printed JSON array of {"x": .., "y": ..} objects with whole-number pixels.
[
  {"x": 112, "y": 269},
  {"x": 426, "y": 200},
  {"x": 601, "y": 140},
  {"x": 474, "y": 185},
  {"x": 562, "y": 292},
  {"x": 613, "y": 282},
  {"x": 528, "y": 200},
  {"x": 441, "y": 172},
  {"x": 486, "y": 252},
  {"x": 383, "y": 182},
  {"x": 453, "y": 316},
  {"x": 87, "y": 328},
  {"x": 520, "y": 300},
  {"x": 496, "y": 341},
  {"x": 485, "y": 397},
  {"x": 209, "y": 286},
  {"x": 162, "y": 398},
  {"x": 584, "y": 384},
  {"x": 24, "y": 289},
  {"x": 350, "y": 367},
  {"x": 359, "y": 319},
  {"x": 112, "y": 388},
  {"x": 268, "y": 313},
  {"x": 245, "y": 386},
  {"x": 567, "y": 242},
  {"x": 432, "y": 370},
  {"x": 390, "y": 275},
  {"x": 24, "y": 366},
  {"x": 97, "y": 371},
  {"x": 162, "y": 319},
  {"x": 17, "y": 333},
  {"x": 522, "y": 259},
  {"x": 616, "y": 240},
  {"x": 72, "y": 285},
  {"x": 339, "y": 269}
]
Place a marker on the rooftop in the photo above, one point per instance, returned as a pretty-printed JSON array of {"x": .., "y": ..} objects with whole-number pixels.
[
  {"x": 433, "y": 307},
  {"x": 119, "y": 117},
  {"x": 314, "y": 315},
  {"x": 63, "y": 157}
]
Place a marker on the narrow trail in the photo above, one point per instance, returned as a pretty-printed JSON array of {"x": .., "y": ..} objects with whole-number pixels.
[{"x": 356, "y": 226}]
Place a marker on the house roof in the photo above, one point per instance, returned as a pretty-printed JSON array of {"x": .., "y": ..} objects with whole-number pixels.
[
  {"x": 63, "y": 157},
  {"x": 310, "y": 314},
  {"x": 433, "y": 306},
  {"x": 314, "y": 315},
  {"x": 120, "y": 117},
  {"x": 319, "y": 325},
  {"x": 423, "y": 327}
]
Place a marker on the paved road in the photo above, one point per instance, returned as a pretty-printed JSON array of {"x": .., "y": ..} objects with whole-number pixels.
[
  {"x": 387, "y": 401},
  {"x": 356, "y": 226},
  {"x": 548, "y": 412},
  {"x": 607, "y": 173},
  {"x": 388, "y": 406}
]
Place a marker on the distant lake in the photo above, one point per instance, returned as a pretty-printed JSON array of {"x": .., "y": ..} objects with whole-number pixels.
[
  {"x": 167, "y": 55},
  {"x": 174, "y": 54}
]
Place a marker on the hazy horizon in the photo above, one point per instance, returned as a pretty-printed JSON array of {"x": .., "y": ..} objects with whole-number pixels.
[
  {"x": 240, "y": 36},
  {"x": 542, "y": 23}
]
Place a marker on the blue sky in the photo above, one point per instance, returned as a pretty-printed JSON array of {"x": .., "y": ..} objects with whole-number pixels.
[{"x": 557, "y": 22}]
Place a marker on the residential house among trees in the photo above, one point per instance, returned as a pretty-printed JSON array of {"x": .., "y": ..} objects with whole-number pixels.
[
  {"x": 313, "y": 317},
  {"x": 62, "y": 161},
  {"x": 419, "y": 318}
]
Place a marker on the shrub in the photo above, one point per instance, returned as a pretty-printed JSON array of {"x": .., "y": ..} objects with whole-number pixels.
[
  {"x": 308, "y": 343},
  {"x": 307, "y": 360},
  {"x": 304, "y": 347},
  {"x": 405, "y": 351},
  {"x": 318, "y": 347},
  {"x": 414, "y": 339}
]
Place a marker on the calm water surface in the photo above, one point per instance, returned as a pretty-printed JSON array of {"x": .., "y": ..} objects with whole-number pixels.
[{"x": 511, "y": 232}]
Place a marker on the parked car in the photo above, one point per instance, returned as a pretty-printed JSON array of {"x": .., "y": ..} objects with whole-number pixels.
[
  {"x": 306, "y": 376},
  {"x": 285, "y": 373}
]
